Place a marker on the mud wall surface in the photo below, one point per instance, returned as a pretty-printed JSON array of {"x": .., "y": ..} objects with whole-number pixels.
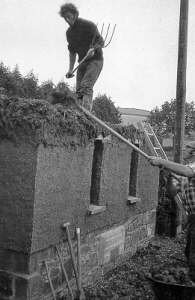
[
  {"x": 147, "y": 183},
  {"x": 114, "y": 183},
  {"x": 17, "y": 179},
  {"x": 62, "y": 189}
]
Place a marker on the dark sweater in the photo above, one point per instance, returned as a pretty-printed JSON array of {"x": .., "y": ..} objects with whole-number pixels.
[{"x": 80, "y": 37}]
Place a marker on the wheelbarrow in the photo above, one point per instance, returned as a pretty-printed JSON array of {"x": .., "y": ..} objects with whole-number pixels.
[{"x": 169, "y": 291}]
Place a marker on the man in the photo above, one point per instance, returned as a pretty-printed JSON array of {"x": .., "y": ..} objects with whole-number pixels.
[
  {"x": 186, "y": 186},
  {"x": 83, "y": 40}
]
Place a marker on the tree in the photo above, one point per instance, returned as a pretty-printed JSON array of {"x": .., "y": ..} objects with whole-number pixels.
[
  {"x": 6, "y": 80},
  {"x": 4, "y": 74},
  {"x": 104, "y": 109},
  {"x": 30, "y": 82},
  {"x": 45, "y": 89},
  {"x": 13, "y": 83},
  {"x": 17, "y": 79},
  {"x": 163, "y": 119}
]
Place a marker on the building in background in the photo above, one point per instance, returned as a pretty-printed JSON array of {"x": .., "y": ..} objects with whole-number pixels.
[{"x": 133, "y": 115}]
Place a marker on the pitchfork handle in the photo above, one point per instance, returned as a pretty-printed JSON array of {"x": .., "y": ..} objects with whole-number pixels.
[{"x": 120, "y": 137}]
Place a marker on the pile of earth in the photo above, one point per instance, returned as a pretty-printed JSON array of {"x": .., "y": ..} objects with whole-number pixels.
[
  {"x": 39, "y": 121},
  {"x": 21, "y": 118},
  {"x": 130, "y": 280}
]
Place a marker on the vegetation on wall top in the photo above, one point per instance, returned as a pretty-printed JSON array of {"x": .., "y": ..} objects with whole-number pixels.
[
  {"x": 38, "y": 121},
  {"x": 26, "y": 112}
]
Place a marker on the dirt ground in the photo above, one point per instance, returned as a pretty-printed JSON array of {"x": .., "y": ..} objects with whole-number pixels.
[{"x": 128, "y": 281}]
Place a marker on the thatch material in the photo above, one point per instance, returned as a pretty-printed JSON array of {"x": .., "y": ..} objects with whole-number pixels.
[{"x": 58, "y": 122}]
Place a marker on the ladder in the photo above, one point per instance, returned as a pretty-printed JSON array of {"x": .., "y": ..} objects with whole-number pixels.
[
  {"x": 157, "y": 150},
  {"x": 152, "y": 140}
]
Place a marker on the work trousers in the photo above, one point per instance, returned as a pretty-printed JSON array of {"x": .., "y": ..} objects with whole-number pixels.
[
  {"x": 87, "y": 75},
  {"x": 190, "y": 246}
]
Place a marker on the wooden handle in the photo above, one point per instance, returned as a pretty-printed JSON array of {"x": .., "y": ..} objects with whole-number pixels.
[
  {"x": 72, "y": 255},
  {"x": 50, "y": 282},
  {"x": 79, "y": 256},
  {"x": 65, "y": 273},
  {"x": 120, "y": 137},
  {"x": 80, "y": 63}
]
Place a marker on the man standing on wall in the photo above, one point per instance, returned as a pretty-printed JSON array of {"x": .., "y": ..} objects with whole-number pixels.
[
  {"x": 83, "y": 40},
  {"x": 186, "y": 186}
]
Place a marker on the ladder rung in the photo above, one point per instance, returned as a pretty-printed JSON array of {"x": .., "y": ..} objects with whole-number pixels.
[{"x": 152, "y": 139}]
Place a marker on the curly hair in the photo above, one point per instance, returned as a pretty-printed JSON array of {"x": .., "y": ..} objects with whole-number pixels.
[{"x": 68, "y": 7}]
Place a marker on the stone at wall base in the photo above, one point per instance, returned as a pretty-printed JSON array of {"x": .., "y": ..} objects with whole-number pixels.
[
  {"x": 15, "y": 286},
  {"x": 133, "y": 200},
  {"x": 95, "y": 209}
]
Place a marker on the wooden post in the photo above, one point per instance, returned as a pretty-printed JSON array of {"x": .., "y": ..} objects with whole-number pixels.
[
  {"x": 180, "y": 99},
  {"x": 181, "y": 82}
]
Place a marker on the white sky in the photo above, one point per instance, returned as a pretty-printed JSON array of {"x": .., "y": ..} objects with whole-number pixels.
[{"x": 140, "y": 64}]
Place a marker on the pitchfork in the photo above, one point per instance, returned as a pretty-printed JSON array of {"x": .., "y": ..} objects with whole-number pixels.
[
  {"x": 106, "y": 40},
  {"x": 106, "y": 43}
]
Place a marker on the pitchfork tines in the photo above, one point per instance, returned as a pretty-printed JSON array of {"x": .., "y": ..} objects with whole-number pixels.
[
  {"x": 107, "y": 40},
  {"x": 108, "y": 34}
]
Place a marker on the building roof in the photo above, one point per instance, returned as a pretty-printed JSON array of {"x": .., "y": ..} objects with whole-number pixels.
[{"x": 134, "y": 111}]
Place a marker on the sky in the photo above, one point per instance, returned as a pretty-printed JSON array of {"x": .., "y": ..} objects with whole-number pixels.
[{"x": 140, "y": 64}]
